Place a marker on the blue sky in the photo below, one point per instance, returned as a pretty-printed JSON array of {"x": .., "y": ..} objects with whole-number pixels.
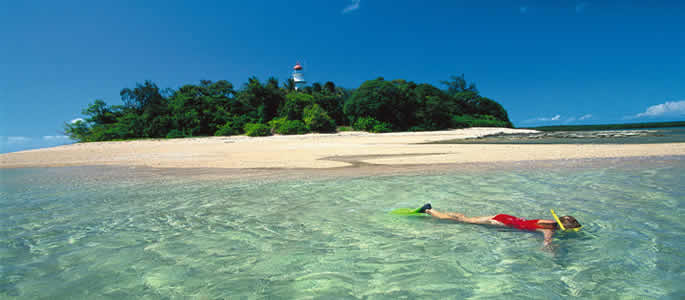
[{"x": 548, "y": 62}]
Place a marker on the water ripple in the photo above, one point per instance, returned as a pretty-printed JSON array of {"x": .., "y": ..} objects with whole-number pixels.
[{"x": 65, "y": 236}]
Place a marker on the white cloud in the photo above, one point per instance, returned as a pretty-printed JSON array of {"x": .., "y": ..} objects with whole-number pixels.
[
  {"x": 523, "y": 9},
  {"x": 19, "y": 143},
  {"x": 581, "y": 118},
  {"x": 557, "y": 117},
  {"x": 56, "y": 138},
  {"x": 76, "y": 120},
  {"x": 675, "y": 108},
  {"x": 585, "y": 117},
  {"x": 14, "y": 140},
  {"x": 354, "y": 5},
  {"x": 580, "y": 6},
  {"x": 543, "y": 119}
]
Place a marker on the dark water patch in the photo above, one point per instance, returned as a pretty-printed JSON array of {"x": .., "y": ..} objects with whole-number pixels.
[{"x": 642, "y": 136}]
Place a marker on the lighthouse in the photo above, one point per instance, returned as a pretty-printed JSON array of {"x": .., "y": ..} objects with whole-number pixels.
[{"x": 298, "y": 76}]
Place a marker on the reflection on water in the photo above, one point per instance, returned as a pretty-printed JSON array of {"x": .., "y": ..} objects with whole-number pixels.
[{"x": 68, "y": 236}]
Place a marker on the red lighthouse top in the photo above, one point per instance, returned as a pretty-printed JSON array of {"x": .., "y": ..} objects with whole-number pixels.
[{"x": 297, "y": 66}]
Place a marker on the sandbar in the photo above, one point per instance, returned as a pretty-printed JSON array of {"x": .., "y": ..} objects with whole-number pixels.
[{"x": 320, "y": 151}]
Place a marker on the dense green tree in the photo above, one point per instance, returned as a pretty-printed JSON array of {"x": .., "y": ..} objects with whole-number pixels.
[
  {"x": 264, "y": 100},
  {"x": 77, "y": 130},
  {"x": 147, "y": 100},
  {"x": 130, "y": 125},
  {"x": 99, "y": 113},
  {"x": 200, "y": 109},
  {"x": 295, "y": 104},
  {"x": 332, "y": 104},
  {"x": 252, "y": 96},
  {"x": 215, "y": 108},
  {"x": 434, "y": 108},
  {"x": 221, "y": 104},
  {"x": 316, "y": 87},
  {"x": 289, "y": 85},
  {"x": 143, "y": 96},
  {"x": 384, "y": 101},
  {"x": 274, "y": 99},
  {"x": 186, "y": 107},
  {"x": 234, "y": 126},
  {"x": 458, "y": 84},
  {"x": 486, "y": 106},
  {"x": 470, "y": 103},
  {"x": 329, "y": 88},
  {"x": 317, "y": 120},
  {"x": 100, "y": 124},
  {"x": 306, "y": 90}
]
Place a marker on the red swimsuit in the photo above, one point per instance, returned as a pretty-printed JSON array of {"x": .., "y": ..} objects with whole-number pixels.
[{"x": 517, "y": 223}]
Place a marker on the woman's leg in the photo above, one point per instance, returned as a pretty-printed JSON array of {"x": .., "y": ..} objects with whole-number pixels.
[{"x": 487, "y": 220}]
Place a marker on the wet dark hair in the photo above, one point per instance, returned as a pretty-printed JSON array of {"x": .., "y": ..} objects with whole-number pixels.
[{"x": 569, "y": 222}]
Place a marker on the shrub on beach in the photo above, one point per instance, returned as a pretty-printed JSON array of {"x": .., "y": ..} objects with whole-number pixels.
[
  {"x": 381, "y": 128},
  {"x": 317, "y": 119},
  {"x": 371, "y": 125},
  {"x": 226, "y": 130},
  {"x": 284, "y": 126},
  {"x": 175, "y": 134},
  {"x": 234, "y": 126},
  {"x": 459, "y": 122},
  {"x": 293, "y": 127},
  {"x": 364, "y": 123},
  {"x": 257, "y": 129}
]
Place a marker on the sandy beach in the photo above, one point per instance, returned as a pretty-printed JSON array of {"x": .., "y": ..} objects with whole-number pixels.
[{"x": 319, "y": 151}]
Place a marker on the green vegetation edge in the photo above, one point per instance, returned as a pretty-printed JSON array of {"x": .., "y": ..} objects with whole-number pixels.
[{"x": 266, "y": 108}]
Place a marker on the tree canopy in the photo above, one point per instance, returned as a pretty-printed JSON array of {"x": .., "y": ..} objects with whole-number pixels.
[
  {"x": 410, "y": 106},
  {"x": 263, "y": 108}
]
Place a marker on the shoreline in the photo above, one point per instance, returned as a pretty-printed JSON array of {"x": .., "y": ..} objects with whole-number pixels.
[
  {"x": 322, "y": 151},
  {"x": 264, "y": 175}
]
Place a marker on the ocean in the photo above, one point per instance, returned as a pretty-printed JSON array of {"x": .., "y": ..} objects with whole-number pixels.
[{"x": 122, "y": 233}]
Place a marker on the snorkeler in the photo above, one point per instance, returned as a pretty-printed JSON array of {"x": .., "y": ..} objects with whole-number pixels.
[{"x": 547, "y": 227}]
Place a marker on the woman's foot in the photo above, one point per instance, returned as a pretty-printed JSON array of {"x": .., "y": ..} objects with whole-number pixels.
[{"x": 425, "y": 207}]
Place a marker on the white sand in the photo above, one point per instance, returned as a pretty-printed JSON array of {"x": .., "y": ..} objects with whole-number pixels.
[{"x": 314, "y": 151}]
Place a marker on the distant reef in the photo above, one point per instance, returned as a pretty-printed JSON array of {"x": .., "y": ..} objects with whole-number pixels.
[{"x": 609, "y": 126}]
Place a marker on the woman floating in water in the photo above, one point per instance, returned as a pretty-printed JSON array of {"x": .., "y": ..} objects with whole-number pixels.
[{"x": 547, "y": 227}]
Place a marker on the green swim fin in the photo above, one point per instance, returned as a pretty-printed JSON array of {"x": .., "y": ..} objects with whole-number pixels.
[{"x": 411, "y": 211}]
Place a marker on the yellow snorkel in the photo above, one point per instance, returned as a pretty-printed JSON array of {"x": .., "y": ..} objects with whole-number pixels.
[{"x": 562, "y": 225}]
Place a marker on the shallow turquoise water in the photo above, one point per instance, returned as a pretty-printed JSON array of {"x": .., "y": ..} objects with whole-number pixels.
[{"x": 70, "y": 233}]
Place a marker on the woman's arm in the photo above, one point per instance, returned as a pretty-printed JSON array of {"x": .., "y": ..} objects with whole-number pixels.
[{"x": 548, "y": 236}]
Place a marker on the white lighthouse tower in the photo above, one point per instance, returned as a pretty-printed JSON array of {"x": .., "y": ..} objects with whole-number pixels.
[{"x": 298, "y": 76}]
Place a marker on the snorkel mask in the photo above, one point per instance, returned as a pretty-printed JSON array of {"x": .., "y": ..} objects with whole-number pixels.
[{"x": 562, "y": 225}]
